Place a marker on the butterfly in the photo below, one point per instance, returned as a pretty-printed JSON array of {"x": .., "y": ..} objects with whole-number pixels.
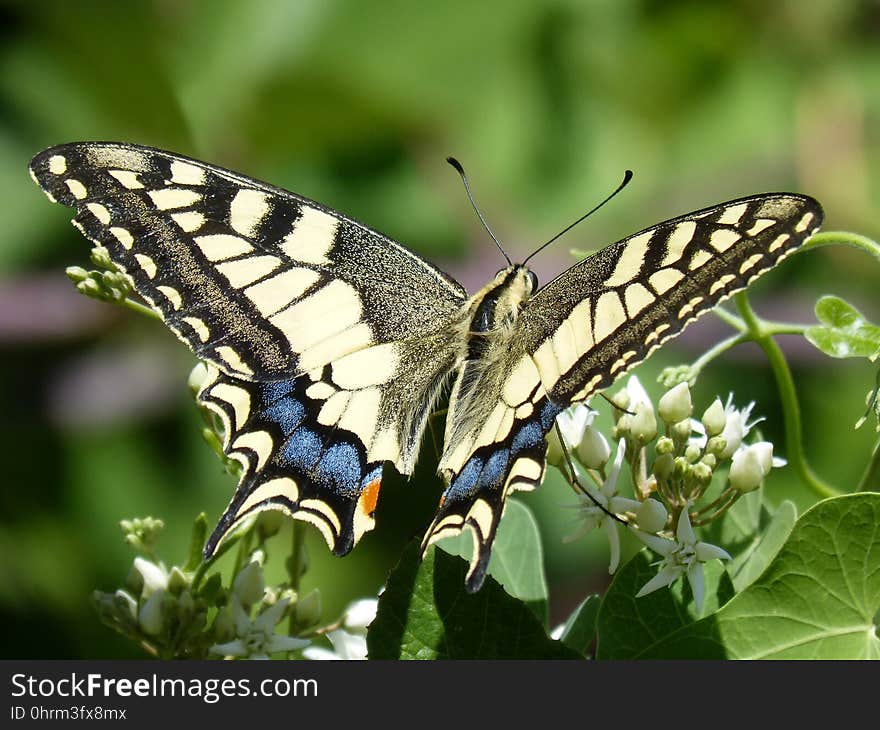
[{"x": 328, "y": 344}]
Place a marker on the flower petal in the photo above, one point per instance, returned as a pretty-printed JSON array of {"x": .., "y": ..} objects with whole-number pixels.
[
  {"x": 610, "y": 527},
  {"x": 660, "y": 545},
  {"x": 667, "y": 575},
  {"x": 697, "y": 581},
  {"x": 684, "y": 532},
  {"x": 706, "y": 552},
  {"x": 361, "y": 613},
  {"x": 266, "y": 621}
]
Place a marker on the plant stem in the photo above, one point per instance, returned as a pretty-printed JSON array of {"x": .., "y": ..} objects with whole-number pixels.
[
  {"x": 829, "y": 238},
  {"x": 870, "y": 481},
  {"x": 139, "y": 308},
  {"x": 788, "y": 395}
]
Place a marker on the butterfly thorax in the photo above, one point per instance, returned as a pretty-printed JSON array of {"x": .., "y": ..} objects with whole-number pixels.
[{"x": 492, "y": 316}]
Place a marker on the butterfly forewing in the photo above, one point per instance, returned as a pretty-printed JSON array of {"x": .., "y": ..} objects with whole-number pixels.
[
  {"x": 327, "y": 340},
  {"x": 607, "y": 313}
]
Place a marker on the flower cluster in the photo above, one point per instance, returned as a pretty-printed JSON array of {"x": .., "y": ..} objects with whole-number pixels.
[
  {"x": 186, "y": 611},
  {"x": 672, "y": 461}
]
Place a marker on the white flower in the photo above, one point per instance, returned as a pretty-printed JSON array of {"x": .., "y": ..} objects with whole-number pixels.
[
  {"x": 572, "y": 423},
  {"x": 684, "y": 555},
  {"x": 155, "y": 576},
  {"x": 675, "y": 404},
  {"x": 714, "y": 418},
  {"x": 249, "y": 585},
  {"x": 750, "y": 464},
  {"x": 256, "y": 639},
  {"x": 593, "y": 516},
  {"x": 360, "y": 614},
  {"x": 640, "y": 422},
  {"x": 651, "y": 515},
  {"x": 348, "y": 644}
]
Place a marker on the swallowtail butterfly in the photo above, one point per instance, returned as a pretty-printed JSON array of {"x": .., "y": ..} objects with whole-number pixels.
[{"x": 327, "y": 343}]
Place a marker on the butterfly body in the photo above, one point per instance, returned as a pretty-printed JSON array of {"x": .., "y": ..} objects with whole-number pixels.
[{"x": 328, "y": 344}]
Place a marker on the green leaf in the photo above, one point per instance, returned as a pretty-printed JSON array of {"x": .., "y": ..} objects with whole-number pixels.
[
  {"x": 580, "y": 628},
  {"x": 426, "y": 613},
  {"x": 752, "y": 534},
  {"x": 628, "y": 627},
  {"x": 517, "y": 561},
  {"x": 751, "y": 562},
  {"x": 844, "y": 331},
  {"x": 197, "y": 542},
  {"x": 818, "y": 599}
]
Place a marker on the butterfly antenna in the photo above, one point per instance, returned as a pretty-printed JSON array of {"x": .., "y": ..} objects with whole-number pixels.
[
  {"x": 627, "y": 176},
  {"x": 467, "y": 188}
]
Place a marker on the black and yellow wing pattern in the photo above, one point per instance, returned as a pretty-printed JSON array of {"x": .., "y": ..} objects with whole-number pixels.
[{"x": 327, "y": 343}]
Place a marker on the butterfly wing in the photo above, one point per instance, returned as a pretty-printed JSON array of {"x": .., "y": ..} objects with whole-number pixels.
[
  {"x": 609, "y": 312},
  {"x": 327, "y": 341},
  {"x": 588, "y": 326}
]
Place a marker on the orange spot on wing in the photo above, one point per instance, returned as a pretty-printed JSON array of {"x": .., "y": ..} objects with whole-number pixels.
[{"x": 370, "y": 496}]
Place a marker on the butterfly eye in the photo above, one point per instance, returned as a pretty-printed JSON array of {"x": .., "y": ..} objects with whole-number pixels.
[{"x": 533, "y": 280}]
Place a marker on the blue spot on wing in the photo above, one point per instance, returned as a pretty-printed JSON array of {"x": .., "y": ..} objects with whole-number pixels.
[
  {"x": 276, "y": 390},
  {"x": 493, "y": 471},
  {"x": 341, "y": 466},
  {"x": 549, "y": 411},
  {"x": 287, "y": 413},
  {"x": 528, "y": 436},
  {"x": 466, "y": 480},
  {"x": 303, "y": 448}
]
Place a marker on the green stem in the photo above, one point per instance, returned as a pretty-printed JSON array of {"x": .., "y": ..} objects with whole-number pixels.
[
  {"x": 830, "y": 238},
  {"x": 139, "y": 308},
  {"x": 788, "y": 395},
  {"x": 870, "y": 481},
  {"x": 713, "y": 352}
]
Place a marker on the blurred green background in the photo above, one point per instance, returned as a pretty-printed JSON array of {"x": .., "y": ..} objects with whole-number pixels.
[{"x": 356, "y": 103}]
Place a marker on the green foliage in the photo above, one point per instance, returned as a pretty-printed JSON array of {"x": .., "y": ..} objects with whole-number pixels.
[
  {"x": 844, "y": 331},
  {"x": 331, "y": 100},
  {"x": 818, "y": 599},
  {"x": 426, "y": 613},
  {"x": 517, "y": 561}
]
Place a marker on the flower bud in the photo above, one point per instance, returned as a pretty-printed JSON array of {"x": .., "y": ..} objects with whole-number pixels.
[
  {"x": 681, "y": 430},
  {"x": 643, "y": 424},
  {"x": 709, "y": 460},
  {"x": 154, "y": 576},
  {"x": 732, "y": 434},
  {"x": 702, "y": 473},
  {"x": 714, "y": 419},
  {"x": 555, "y": 455},
  {"x": 675, "y": 404},
  {"x": 692, "y": 453},
  {"x": 717, "y": 446},
  {"x": 593, "y": 450},
  {"x": 651, "y": 516},
  {"x": 177, "y": 581},
  {"x": 249, "y": 584},
  {"x": 125, "y": 604},
  {"x": 663, "y": 466},
  {"x": 308, "y": 609},
  {"x": 764, "y": 450},
  {"x": 150, "y": 616},
  {"x": 746, "y": 470},
  {"x": 197, "y": 376},
  {"x": 621, "y": 399},
  {"x": 665, "y": 445}
]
